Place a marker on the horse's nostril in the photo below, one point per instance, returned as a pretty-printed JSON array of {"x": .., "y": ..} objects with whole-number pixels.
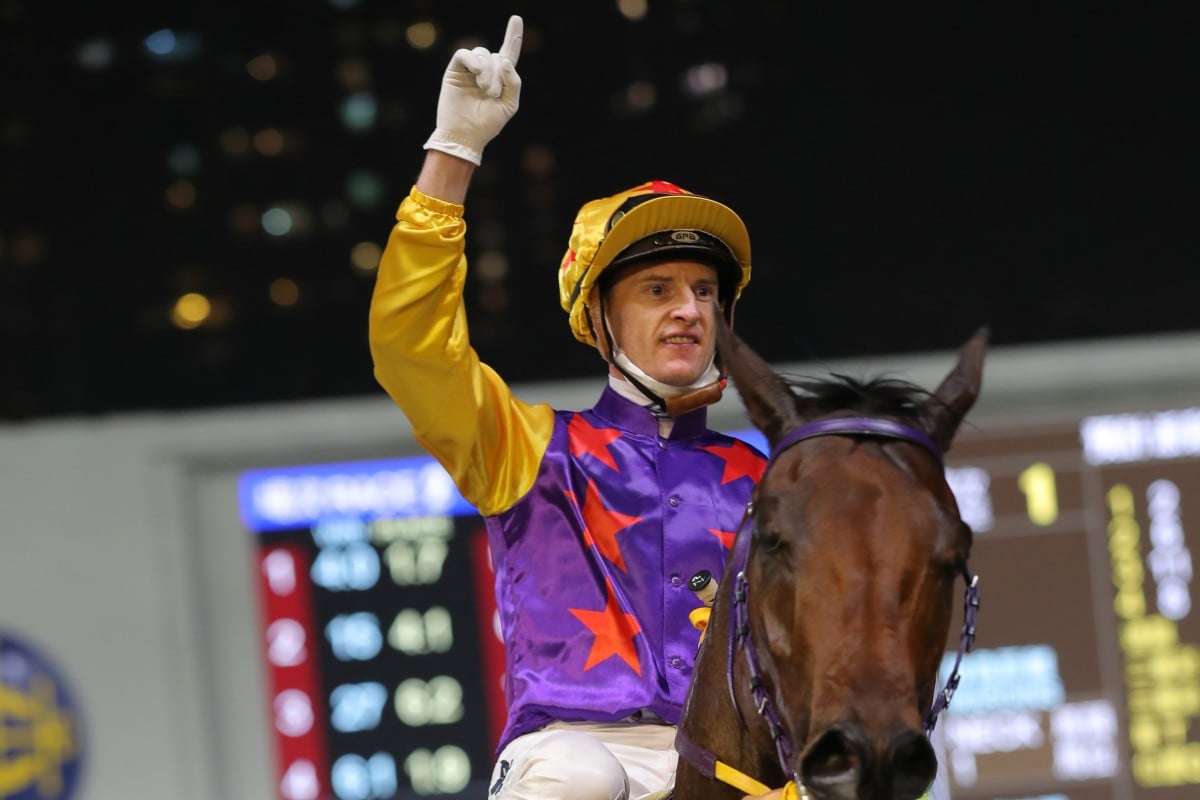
[
  {"x": 834, "y": 758},
  {"x": 842, "y": 764},
  {"x": 913, "y": 763}
]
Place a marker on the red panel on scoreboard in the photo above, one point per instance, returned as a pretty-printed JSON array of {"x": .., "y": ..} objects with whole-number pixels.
[{"x": 295, "y": 696}]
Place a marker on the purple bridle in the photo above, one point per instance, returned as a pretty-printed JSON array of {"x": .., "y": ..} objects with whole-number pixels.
[{"x": 739, "y": 636}]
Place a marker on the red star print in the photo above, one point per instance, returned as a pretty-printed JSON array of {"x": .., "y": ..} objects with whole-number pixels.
[
  {"x": 663, "y": 187},
  {"x": 585, "y": 439},
  {"x": 601, "y": 526},
  {"x": 614, "y": 631},
  {"x": 726, "y": 537},
  {"x": 740, "y": 461}
]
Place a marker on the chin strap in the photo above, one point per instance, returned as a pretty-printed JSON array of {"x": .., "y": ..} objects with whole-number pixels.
[
  {"x": 679, "y": 404},
  {"x": 697, "y": 398},
  {"x": 675, "y": 406}
]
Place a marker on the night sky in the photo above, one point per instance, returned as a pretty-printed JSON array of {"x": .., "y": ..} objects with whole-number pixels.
[{"x": 906, "y": 177}]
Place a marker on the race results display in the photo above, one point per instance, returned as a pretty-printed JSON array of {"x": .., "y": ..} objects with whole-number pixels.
[
  {"x": 1084, "y": 683},
  {"x": 385, "y": 666}
]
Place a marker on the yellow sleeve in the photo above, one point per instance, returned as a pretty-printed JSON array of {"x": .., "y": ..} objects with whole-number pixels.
[{"x": 461, "y": 411}]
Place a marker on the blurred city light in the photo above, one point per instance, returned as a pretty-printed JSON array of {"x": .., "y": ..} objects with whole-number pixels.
[
  {"x": 364, "y": 257},
  {"x": 705, "y": 79},
  {"x": 634, "y": 10},
  {"x": 167, "y": 45},
  {"x": 190, "y": 311},
  {"x": 183, "y": 159},
  {"x": 96, "y": 54},
  {"x": 277, "y": 221},
  {"x": 358, "y": 111},
  {"x": 181, "y": 194},
  {"x": 365, "y": 189},
  {"x": 421, "y": 35},
  {"x": 263, "y": 67},
  {"x": 284, "y": 292}
]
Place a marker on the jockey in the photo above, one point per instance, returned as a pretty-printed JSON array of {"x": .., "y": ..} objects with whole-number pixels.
[{"x": 596, "y": 518}]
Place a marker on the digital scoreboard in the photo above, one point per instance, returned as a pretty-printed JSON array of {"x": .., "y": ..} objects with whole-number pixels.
[
  {"x": 1084, "y": 683},
  {"x": 385, "y": 670},
  {"x": 383, "y": 662}
]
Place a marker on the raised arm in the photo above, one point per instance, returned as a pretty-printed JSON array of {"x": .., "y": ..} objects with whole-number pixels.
[
  {"x": 481, "y": 91},
  {"x": 460, "y": 410}
]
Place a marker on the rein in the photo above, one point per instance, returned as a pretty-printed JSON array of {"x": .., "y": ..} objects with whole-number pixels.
[{"x": 739, "y": 636}]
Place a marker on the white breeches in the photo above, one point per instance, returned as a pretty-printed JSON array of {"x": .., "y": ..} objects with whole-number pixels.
[{"x": 587, "y": 761}]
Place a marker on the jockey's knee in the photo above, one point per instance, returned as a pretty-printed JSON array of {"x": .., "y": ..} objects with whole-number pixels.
[{"x": 566, "y": 764}]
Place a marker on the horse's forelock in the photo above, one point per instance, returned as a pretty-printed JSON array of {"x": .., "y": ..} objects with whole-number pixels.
[{"x": 877, "y": 396}]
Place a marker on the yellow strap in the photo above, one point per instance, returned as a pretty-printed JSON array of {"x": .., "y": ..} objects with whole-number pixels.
[
  {"x": 738, "y": 780},
  {"x": 744, "y": 783}
]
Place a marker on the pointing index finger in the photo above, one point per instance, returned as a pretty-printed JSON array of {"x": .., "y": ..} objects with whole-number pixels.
[{"x": 511, "y": 49}]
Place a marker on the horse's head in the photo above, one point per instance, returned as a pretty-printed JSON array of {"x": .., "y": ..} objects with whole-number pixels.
[{"x": 849, "y": 571}]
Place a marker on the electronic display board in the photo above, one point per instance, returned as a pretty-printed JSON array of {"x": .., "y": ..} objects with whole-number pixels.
[
  {"x": 378, "y": 629},
  {"x": 1084, "y": 683},
  {"x": 386, "y": 670}
]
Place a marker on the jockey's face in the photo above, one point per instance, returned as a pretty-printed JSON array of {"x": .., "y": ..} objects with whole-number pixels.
[{"x": 661, "y": 315}]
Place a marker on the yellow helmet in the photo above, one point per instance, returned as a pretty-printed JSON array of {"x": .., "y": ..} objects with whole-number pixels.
[{"x": 654, "y": 219}]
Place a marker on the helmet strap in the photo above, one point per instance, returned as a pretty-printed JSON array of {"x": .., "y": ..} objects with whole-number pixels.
[
  {"x": 675, "y": 405},
  {"x": 697, "y": 398}
]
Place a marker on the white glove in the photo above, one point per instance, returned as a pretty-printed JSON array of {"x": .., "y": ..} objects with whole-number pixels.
[{"x": 480, "y": 93}]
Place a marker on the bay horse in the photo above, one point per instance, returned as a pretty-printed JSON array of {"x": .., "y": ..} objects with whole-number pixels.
[{"x": 817, "y": 670}]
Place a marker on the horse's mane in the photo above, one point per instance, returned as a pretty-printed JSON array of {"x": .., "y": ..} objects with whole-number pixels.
[{"x": 876, "y": 396}]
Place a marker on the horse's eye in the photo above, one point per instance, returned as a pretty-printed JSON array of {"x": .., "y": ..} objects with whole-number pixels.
[{"x": 768, "y": 539}]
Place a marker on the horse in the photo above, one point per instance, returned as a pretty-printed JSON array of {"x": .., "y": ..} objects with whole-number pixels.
[{"x": 831, "y": 618}]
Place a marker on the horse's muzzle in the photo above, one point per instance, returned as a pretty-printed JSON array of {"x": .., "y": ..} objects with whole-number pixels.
[{"x": 842, "y": 764}]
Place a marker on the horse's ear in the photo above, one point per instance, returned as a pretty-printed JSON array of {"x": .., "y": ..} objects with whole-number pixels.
[
  {"x": 767, "y": 397},
  {"x": 953, "y": 399}
]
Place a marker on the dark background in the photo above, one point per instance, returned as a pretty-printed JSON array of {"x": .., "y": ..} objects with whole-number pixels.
[{"x": 907, "y": 175}]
